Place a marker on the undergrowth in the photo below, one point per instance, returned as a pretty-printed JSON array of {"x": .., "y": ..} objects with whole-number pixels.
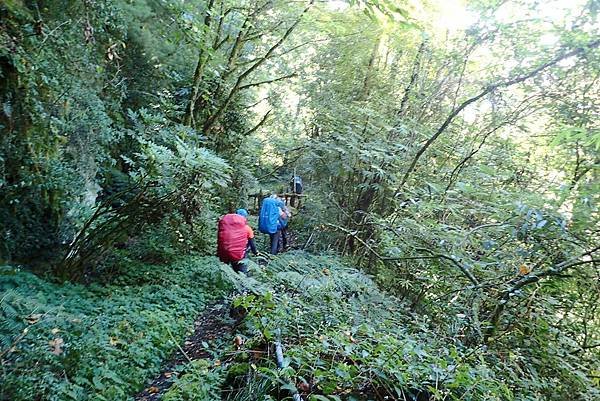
[
  {"x": 344, "y": 339},
  {"x": 200, "y": 382},
  {"x": 75, "y": 342}
]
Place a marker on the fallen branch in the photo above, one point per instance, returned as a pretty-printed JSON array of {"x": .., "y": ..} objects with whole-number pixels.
[{"x": 177, "y": 344}]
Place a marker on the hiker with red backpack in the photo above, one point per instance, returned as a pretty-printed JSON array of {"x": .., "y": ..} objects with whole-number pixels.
[{"x": 235, "y": 237}]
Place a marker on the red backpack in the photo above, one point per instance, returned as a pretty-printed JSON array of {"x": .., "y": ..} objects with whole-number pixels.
[{"x": 232, "y": 238}]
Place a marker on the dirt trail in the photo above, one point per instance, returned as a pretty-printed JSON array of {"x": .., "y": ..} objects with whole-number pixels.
[{"x": 211, "y": 325}]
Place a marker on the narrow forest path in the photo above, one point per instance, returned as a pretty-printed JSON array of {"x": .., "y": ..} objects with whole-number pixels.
[{"x": 212, "y": 327}]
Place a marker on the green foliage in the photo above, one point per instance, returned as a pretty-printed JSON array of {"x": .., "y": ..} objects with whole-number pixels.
[
  {"x": 56, "y": 122},
  {"x": 69, "y": 342},
  {"x": 199, "y": 383},
  {"x": 457, "y": 165},
  {"x": 343, "y": 337},
  {"x": 477, "y": 207},
  {"x": 170, "y": 182},
  {"x": 65, "y": 123}
]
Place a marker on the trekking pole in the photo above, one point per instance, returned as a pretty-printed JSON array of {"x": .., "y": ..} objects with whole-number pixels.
[
  {"x": 279, "y": 357},
  {"x": 310, "y": 237}
]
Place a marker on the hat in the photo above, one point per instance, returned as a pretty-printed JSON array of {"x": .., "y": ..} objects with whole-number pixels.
[{"x": 242, "y": 212}]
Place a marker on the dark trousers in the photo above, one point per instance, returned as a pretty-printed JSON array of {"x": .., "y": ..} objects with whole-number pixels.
[
  {"x": 275, "y": 242},
  {"x": 283, "y": 242},
  {"x": 240, "y": 266}
]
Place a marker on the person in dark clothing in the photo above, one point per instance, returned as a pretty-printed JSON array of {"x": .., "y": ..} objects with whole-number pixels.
[{"x": 296, "y": 184}]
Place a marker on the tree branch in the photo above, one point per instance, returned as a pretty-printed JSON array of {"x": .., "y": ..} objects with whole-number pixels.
[
  {"x": 267, "y": 81},
  {"x": 210, "y": 121},
  {"x": 413, "y": 78},
  {"x": 487, "y": 90},
  {"x": 434, "y": 255},
  {"x": 260, "y": 123},
  {"x": 531, "y": 278},
  {"x": 200, "y": 65}
]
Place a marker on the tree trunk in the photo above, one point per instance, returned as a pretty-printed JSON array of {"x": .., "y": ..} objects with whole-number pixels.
[{"x": 200, "y": 66}]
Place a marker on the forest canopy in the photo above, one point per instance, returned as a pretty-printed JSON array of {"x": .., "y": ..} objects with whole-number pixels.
[{"x": 450, "y": 154}]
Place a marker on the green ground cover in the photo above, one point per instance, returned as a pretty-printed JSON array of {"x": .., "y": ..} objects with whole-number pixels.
[
  {"x": 98, "y": 342},
  {"x": 345, "y": 339}
]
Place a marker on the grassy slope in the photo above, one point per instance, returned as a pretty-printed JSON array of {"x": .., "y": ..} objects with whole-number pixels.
[
  {"x": 71, "y": 342},
  {"x": 342, "y": 337}
]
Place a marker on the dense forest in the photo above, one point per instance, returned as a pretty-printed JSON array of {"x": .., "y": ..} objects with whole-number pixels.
[{"x": 447, "y": 243}]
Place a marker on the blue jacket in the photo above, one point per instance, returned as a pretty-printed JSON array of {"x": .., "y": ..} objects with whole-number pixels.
[{"x": 268, "y": 219}]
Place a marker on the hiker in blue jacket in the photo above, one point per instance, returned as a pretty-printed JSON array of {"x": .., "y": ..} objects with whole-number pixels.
[{"x": 268, "y": 220}]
